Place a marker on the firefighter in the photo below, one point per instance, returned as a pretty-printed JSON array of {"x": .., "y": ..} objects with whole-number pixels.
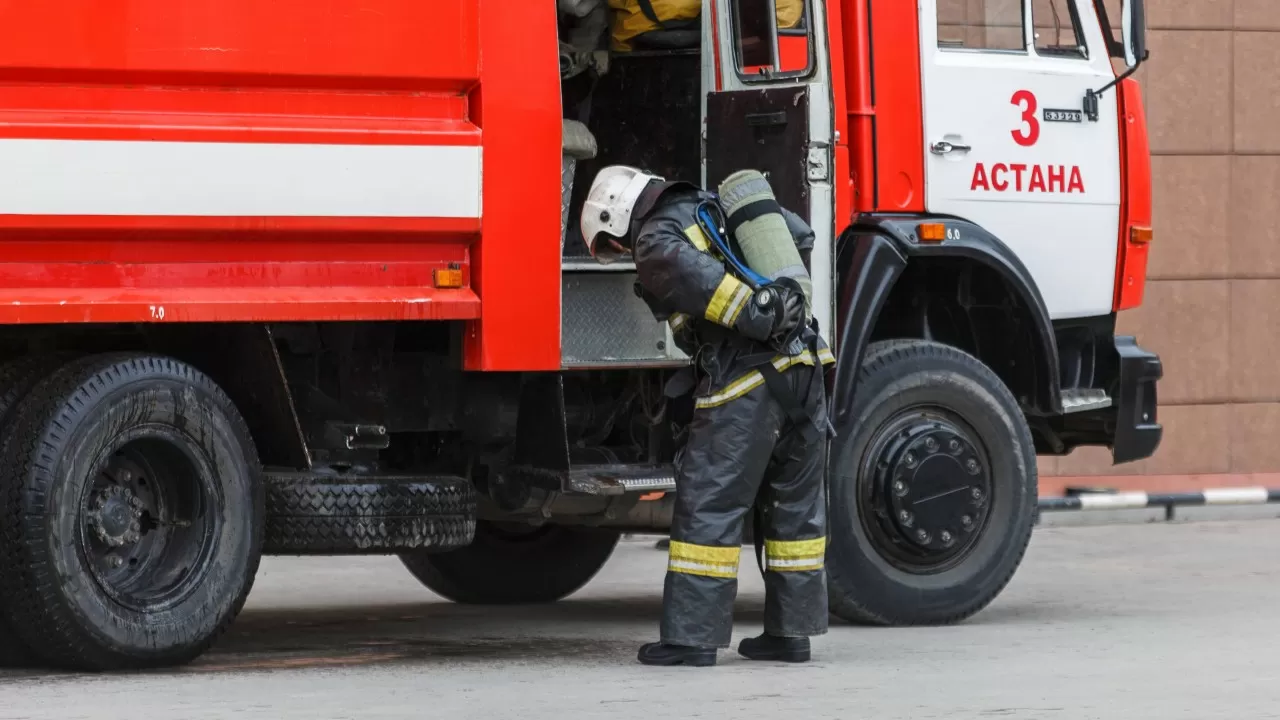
[{"x": 759, "y": 424}]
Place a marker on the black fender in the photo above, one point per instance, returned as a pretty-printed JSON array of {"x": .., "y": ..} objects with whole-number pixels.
[{"x": 874, "y": 252}]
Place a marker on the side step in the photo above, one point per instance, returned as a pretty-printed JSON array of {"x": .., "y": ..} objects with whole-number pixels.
[
  {"x": 620, "y": 479},
  {"x": 1074, "y": 401}
]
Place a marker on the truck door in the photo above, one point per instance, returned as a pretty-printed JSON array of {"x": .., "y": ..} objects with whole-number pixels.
[
  {"x": 768, "y": 108},
  {"x": 1009, "y": 146}
]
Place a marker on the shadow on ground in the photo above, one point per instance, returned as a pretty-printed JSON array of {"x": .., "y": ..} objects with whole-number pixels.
[{"x": 572, "y": 631}]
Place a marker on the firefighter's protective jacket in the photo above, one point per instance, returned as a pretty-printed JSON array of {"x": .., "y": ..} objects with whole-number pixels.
[{"x": 710, "y": 311}]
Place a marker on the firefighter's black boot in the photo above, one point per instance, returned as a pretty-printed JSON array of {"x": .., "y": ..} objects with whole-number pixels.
[
  {"x": 663, "y": 654},
  {"x": 772, "y": 647}
]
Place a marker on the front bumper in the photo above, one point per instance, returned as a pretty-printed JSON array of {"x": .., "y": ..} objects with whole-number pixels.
[{"x": 1137, "y": 433}]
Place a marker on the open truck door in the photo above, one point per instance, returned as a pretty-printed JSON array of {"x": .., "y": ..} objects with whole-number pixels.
[{"x": 768, "y": 108}]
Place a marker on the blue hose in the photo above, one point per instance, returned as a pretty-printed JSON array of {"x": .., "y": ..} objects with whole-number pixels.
[{"x": 712, "y": 229}]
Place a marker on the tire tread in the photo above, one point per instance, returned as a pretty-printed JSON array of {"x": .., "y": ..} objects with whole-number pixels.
[
  {"x": 17, "y": 376},
  {"x": 357, "y": 535}
]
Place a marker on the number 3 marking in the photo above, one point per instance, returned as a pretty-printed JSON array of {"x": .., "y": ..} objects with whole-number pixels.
[{"x": 1032, "y": 134}]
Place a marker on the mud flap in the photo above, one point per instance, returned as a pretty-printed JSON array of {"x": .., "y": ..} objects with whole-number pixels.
[{"x": 1137, "y": 432}]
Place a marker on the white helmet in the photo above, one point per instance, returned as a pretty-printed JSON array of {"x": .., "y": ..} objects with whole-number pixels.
[{"x": 608, "y": 209}]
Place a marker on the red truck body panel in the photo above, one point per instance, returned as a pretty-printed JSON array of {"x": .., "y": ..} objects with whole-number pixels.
[{"x": 231, "y": 160}]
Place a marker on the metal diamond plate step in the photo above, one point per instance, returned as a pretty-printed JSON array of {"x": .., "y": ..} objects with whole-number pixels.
[
  {"x": 621, "y": 479},
  {"x": 1074, "y": 401}
]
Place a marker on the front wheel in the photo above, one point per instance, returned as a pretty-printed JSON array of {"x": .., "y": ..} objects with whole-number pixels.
[
  {"x": 933, "y": 493},
  {"x": 515, "y": 565}
]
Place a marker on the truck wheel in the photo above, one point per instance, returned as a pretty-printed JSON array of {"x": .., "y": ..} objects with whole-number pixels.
[
  {"x": 319, "y": 515},
  {"x": 132, "y": 511},
  {"x": 16, "y": 379},
  {"x": 515, "y": 565},
  {"x": 932, "y": 494}
]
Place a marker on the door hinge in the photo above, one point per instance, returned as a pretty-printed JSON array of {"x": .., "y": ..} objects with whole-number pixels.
[{"x": 819, "y": 164}]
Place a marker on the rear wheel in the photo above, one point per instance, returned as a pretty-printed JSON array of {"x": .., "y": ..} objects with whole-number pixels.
[
  {"x": 16, "y": 379},
  {"x": 507, "y": 565},
  {"x": 933, "y": 494},
  {"x": 133, "y": 514}
]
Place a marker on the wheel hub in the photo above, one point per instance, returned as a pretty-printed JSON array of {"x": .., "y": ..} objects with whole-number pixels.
[
  {"x": 116, "y": 516},
  {"x": 930, "y": 488}
]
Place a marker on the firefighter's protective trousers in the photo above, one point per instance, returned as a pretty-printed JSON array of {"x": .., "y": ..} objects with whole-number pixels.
[
  {"x": 737, "y": 451},
  {"x": 758, "y": 433}
]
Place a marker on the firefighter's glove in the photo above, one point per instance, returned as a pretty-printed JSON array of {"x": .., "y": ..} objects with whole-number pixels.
[
  {"x": 783, "y": 306},
  {"x": 791, "y": 315}
]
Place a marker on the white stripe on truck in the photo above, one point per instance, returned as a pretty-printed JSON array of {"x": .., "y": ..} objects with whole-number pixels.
[{"x": 113, "y": 177}]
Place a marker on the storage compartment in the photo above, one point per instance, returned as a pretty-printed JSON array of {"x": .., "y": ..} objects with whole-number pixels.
[
  {"x": 640, "y": 108},
  {"x": 645, "y": 112}
]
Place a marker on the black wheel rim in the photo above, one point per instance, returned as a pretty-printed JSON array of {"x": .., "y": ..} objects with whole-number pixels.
[
  {"x": 147, "y": 530},
  {"x": 924, "y": 489}
]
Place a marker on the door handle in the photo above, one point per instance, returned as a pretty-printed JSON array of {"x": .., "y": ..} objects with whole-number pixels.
[
  {"x": 767, "y": 119},
  {"x": 942, "y": 147}
]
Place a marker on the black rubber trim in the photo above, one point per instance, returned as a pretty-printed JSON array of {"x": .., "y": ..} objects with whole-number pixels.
[{"x": 868, "y": 265}]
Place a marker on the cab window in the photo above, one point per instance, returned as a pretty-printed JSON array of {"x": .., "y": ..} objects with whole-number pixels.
[
  {"x": 992, "y": 25},
  {"x": 772, "y": 38},
  {"x": 1057, "y": 28}
]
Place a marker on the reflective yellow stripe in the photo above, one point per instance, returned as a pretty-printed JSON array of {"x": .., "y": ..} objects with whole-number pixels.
[
  {"x": 786, "y": 361},
  {"x": 805, "y": 565},
  {"x": 795, "y": 555},
  {"x": 732, "y": 391},
  {"x": 724, "y": 299},
  {"x": 705, "y": 560},
  {"x": 825, "y": 356},
  {"x": 697, "y": 237},
  {"x": 705, "y": 553},
  {"x": 677, "y": 321},
  {"x": 793, "y": 549},
  {"x": 739, "y": 302},
  {"x": 751, "y": 381}
]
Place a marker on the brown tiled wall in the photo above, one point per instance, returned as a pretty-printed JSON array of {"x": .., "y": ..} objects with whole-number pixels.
[
  {"x": 1212, "y": 307},
  {"x": 1213, "y": 98}
]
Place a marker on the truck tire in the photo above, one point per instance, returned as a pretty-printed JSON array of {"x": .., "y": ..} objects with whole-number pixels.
[
  {"x": 316, "y": 515},
  {"x": 132, "y": 514},
  {"x": 504, "y": 566},
  {"x": 17, "y": 377},
  {"x": 932, "y": 494}
]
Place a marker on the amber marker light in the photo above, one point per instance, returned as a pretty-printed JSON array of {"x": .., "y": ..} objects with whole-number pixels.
[
  {"x": 450, "y": 277},
  {"x": 932, "y": 232}
]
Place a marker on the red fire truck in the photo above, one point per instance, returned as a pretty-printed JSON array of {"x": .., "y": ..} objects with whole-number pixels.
[{"x": 302, "y": 277}]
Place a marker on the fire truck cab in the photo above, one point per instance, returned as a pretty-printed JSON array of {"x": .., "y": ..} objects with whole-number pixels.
[{"x": 304, "y": 278}]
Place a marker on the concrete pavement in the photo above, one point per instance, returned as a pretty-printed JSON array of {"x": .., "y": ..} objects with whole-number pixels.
[{"x": 1128, "y": 621}]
